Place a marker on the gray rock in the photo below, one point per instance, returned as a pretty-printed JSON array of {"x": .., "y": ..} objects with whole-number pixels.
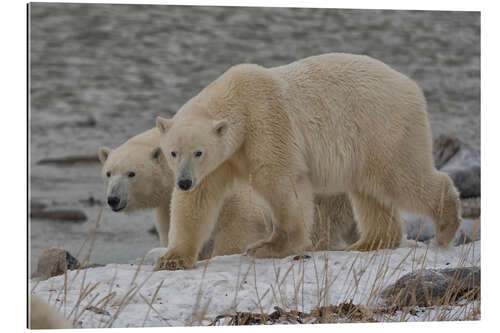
[
  {"x": 422, "y": 229},
  {"x": 36, "y": 205},
  {"x": 434, "y": 287},
  {"x": 69, "y": 160},
  {"x": 59, "y": 215},
  {"x": 461, "y": 162},
  {"x": 53, "y": 262},
  {"x": 444, "y": 148},
  {"x": 470, "y": 231},
  {"x": 465, "y": 158},
  {"x": 464, "y": 168},
  {"x": 467, "y": 181},
  {"x": 418, "y": 227}
]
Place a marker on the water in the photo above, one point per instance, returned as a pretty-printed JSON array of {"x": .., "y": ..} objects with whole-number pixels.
[{"x": 101, "y": 74}]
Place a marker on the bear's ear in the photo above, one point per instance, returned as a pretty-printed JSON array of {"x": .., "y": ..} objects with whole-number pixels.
[
  {"x": 220, "y": 127},
  {"x": 103, "y": 154},
  {"x": 157, "y": 154},
  {"x": 163, "y": 124}
]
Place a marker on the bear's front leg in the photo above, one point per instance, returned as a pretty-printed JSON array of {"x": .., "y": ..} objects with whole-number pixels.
[{"x": 192, "y": 220}]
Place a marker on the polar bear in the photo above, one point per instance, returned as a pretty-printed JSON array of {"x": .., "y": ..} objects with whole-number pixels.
[
  {"x": 137, "y": 177},
  {"x": 333, "y": 123},
  {"x": 44, "y": 316}
]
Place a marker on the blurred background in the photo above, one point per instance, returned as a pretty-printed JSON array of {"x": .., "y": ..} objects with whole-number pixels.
[{"x": 100, "y": 74}]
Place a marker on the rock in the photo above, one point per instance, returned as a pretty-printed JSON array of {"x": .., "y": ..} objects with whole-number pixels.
[
  {"x": 470, "y": 231},
  {"x": 69, "y": 160},
  {"x": 465, "y": 157},
  {"x": 467, "y": 181},
  {"x": 418, "y": 227},
  {"x": 35, "y": 205},
  {"x": 471, "y": 207},
  {"x": 434, "y": 287},
  {"x": 444, "y": 148},
  {"x": 59, "y": 215},
  {"x": 421, "y": 228},
  {"x": 53, "y": 262},
  {"x": 464, "y": 168},
  {"x": 461, "y": 162}
]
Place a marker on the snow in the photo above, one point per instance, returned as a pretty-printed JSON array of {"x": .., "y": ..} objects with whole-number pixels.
[{"x": 239, "y": 283}]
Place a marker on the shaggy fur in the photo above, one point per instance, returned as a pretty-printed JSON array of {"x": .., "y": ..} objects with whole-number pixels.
[
  {"x": 44, "y": 316},
  {"x": 334, "y": 123}
]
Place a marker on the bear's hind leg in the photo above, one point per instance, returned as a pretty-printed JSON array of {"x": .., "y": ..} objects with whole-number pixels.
[
  {"x": 438, "y": 199},
  {"x": 379, "y": 225},
  {"x": 447, "y": 212}
]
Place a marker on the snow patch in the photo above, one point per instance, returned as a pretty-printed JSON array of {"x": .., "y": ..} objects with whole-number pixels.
[{"x": 232, "y": 283}]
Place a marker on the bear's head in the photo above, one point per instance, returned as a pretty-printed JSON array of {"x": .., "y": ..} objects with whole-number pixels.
[
  {"x": 193, "y": 148},
  {"x": 136, "y": 174}
]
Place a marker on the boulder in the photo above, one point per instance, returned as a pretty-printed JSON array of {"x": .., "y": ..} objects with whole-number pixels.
[
  {"x": 422, "y": 229},
  {"x": 467, "y": 181},
  {"x": 53, "y": 262},
  {"x": 430, "y": 287},
  {"x": 470, "y": 231},
  {"x": 444, "y": 148},
  {"x": 461, "y": 162}
]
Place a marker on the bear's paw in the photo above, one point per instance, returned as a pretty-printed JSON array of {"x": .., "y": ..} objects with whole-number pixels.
[{"x": 170, "y": 263}]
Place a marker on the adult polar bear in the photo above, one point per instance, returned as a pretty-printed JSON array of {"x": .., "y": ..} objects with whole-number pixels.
[{"x": 325, "y": 124}]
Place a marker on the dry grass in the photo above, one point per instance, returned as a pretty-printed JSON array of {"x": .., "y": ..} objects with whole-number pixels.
[{"x": 455, "y": 304}]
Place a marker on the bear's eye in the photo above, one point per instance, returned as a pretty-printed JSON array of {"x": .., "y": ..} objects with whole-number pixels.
[
  {"x": 108, "y": 174},
  {"x": 174, "y": 154},
  {"x": 131, "y": 174},
  {"x": 198, "y": 153}
]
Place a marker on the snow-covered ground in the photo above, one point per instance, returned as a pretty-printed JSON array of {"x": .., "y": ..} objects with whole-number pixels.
[{"x": 132, "y": 295}]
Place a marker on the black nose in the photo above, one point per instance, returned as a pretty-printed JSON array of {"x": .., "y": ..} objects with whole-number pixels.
[
  {"x": 113, "y": 201},
  {"x": 185, "y": 184}
]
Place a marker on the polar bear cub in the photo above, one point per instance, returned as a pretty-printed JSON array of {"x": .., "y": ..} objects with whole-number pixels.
[{"x": 334, "y": 123}]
